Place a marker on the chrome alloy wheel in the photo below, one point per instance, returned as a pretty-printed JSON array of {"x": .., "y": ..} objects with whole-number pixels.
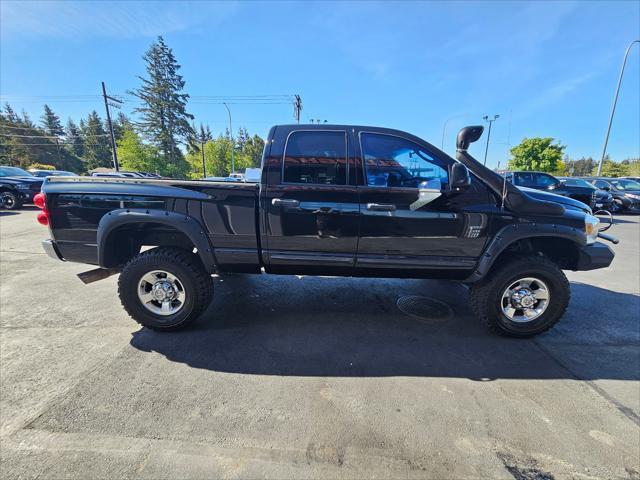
[
  {"x": 525, "y": 300},
  {"x": 161, "y": 292}
]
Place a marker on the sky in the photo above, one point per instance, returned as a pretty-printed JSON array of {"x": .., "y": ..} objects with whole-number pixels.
[{"x": 548, "y": 68}]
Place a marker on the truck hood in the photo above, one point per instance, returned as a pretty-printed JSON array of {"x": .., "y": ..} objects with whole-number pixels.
[{"x": 566, "y": 202}]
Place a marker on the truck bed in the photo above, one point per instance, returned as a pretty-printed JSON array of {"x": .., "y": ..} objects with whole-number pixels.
[{"x": 225, "y": 212}]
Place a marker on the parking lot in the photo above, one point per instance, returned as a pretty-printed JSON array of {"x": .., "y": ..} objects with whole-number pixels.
[{"x": 289, "y": 377}]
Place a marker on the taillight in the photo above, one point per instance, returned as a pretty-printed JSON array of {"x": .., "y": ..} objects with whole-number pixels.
[
  {"x": 39, "y": 200},
  {"x": 43, "y": 218}
]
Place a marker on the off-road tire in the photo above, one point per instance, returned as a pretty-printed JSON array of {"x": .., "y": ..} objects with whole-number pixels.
[
  {"x": 185, "y": 265},
  {"x": 485, "y": 296},
  {"x": 14, "y": 202}
]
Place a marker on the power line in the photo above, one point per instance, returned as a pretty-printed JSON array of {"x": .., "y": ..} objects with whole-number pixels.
[
  {"x": 50, "y": 144},
  {"x": 53, "y": 136}
]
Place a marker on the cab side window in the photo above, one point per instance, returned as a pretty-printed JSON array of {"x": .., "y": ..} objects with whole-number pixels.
[
  {"x": 315, "y": 158},
  {"x": 392, "y": 161},
  {"x": 544, "y": 180},
  {"x": 524, "y": 179}
]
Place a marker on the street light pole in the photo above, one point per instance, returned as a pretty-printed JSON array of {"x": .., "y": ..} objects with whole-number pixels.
[
  {"x": 613, "y": 108},
  {"x": 444, "y": 126},
  {"x": 233, "y": 163},
  {"x": 490, "y": 120}
]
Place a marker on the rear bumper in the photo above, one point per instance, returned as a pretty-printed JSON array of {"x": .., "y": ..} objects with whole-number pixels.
[
  {"x": 592, "y": 257},
  {"x": 51, "y": 249}
]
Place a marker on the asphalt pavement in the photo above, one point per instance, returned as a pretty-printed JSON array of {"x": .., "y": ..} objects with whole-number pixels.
[{"x": 291, "y": 377}]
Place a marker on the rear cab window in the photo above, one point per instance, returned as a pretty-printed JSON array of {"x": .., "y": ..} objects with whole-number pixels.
[{"x": 315, "y": 157}]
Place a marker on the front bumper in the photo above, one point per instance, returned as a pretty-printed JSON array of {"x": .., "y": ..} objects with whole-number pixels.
[
  {"x": 592, "y": 257},
  {"x": 51, "y": 249},
  {"x": 603, "y": 204}
]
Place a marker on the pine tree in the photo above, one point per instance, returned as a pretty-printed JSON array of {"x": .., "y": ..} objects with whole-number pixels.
[
  {"x": 51, "y": 122},
  {"x": 242, "y": 138},
  {"x": 254, "y": 148},
  {"x": 23, "y": 143},
  {"x": 74, "y": 137},
  {"x": 10, "y": 114},
  {"x": 120, "y": 124},
  {"x": 164, "y": 118},
  {"x": 97, "y": 148},
  {"x": 26, "y": 120}
]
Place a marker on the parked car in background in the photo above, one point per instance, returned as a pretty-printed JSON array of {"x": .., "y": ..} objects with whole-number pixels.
[
  {"x": 635, "y": 179},
  {"x": 223, "y": 179},
  {"x": 238, "y": 175},
  {"x": 547, "y": 182},
  {"x": 625, "y": 192},
  {"x": 119, "y": 174},
  {"x": 604, "y": 200},
  {"x": 10, "y": 197},
  {"x": 126, "y": 174},
  {"x": 51, "y": 173},
  {"x": 17, "y": 186}
]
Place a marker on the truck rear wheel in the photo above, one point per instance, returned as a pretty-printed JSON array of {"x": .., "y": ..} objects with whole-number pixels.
[
  {"x": 522, "y": 296},
  {"x": 165, "y": 288}
]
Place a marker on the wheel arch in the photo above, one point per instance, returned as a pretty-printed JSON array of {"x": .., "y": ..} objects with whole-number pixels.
[
  {"x": 122, "y": 232},
  {"x": 559, "y": 243}
]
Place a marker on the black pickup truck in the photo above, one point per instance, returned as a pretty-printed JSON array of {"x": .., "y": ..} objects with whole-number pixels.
[{"x": 333, "y": 200}]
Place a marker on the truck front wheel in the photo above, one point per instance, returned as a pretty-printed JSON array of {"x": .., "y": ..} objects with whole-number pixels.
[
  {"x": 522, "y": 296},
  {"x": 165, "y": 288}
]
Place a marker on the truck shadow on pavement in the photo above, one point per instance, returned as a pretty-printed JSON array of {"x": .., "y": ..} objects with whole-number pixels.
[{"x": 346, "y": 327}]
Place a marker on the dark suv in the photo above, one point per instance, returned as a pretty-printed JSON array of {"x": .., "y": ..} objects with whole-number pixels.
[
  {"x": 604, "y": 200},
  {"x": 17, "y": 186},
  {"x": 625, "y": 192},
  {"x": 545, "y": 181}
]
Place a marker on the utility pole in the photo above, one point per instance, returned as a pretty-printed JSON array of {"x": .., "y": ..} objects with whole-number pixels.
[
  {"x": 297, "y": 107},
  {"x": 490, "y": 120},
  {"x": 233, "y": 144},
  {"x": 613, "y": 108},
  {"x": 116, "y": 104}
]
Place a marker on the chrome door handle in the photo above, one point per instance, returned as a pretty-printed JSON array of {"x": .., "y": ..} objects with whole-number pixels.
[
  {"x": 281, "y": 202},
  {"x": 381, "y": 207}
]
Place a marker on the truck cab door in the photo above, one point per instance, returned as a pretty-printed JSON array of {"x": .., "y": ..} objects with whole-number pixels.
[
  {"x": 310, "y": 206},
  {"x": 411, "y": 224}
]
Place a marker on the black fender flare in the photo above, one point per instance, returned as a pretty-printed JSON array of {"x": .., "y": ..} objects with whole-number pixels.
[
  {"x": 512, "y": 233},
  {"x": 183, "y": 223}
]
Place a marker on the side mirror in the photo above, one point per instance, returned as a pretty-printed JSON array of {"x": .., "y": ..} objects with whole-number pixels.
[
  {"x": 460, "y": 177},
  {"x": 606, "y": 188}
]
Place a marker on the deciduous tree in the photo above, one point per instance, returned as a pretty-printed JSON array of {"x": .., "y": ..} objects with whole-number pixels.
[{"x": 540, "y": 154}]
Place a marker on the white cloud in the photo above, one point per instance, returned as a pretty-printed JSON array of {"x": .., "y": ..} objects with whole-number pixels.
[
  {"x": 125, "y": 19},
  {"x": 553, "y": 94}
]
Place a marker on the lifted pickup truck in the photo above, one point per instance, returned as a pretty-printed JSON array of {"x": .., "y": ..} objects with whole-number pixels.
[{"x": 333, "y": 200}]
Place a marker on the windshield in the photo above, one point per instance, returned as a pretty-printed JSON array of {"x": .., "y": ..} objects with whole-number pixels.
[
  {"x": 625, "y": 184},
  {"x": 13, "y": 172},
  {"x": 577, "y": 182}
]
